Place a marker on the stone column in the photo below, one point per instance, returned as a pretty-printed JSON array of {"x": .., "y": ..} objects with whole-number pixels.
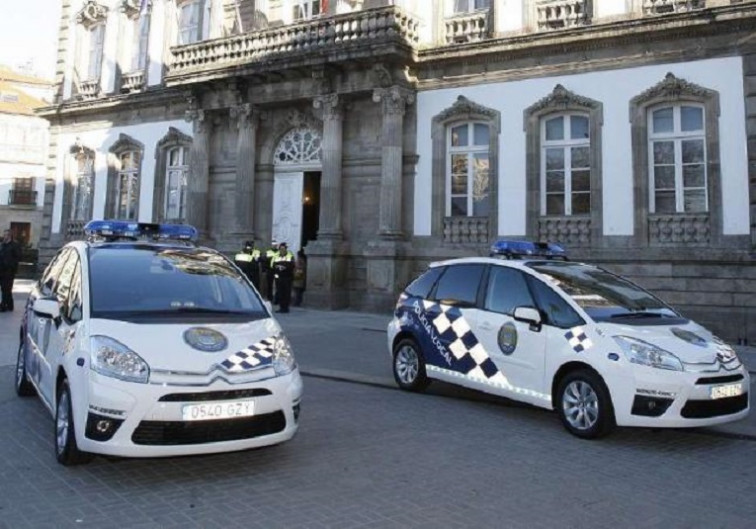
[
  {"x": 395, "y": 100},
  {"x": 330, "y": 183},
  {"x": 199, "y": 172},
  {"x": 246, "y": 153}
]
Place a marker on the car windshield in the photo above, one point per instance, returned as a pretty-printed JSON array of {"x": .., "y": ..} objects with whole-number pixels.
[
  {"x": 603, "y": 295},
  {"x": 129, "y": 281}
]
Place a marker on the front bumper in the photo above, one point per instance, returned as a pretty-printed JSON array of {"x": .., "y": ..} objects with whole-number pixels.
[
  {"x": 148, "y": 422},
  {"x": 660, "y": 398}
]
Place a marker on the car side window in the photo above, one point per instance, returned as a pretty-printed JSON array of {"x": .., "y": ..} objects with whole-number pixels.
[
  {"x": 459, "y": 284},
  {"x": 556, "y": 311},
  {"x": 422, "y": 286},
  {"x": 63, "y": 284},
  {"x": 507, "y": 290},
  {"x": 50, "y": 277},
  {"x": 73, "y": 308}
]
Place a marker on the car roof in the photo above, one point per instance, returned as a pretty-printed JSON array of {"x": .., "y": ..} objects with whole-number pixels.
[
  {"x": 141, "y": 243},
  {"x": 498, "y": 261}
]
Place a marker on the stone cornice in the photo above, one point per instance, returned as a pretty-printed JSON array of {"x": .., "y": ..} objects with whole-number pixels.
[
  {"x": 464, "y": 107},
  {"x": 126, "y": 143},
  {"x": 672, "y": 89},
  {"x": 561, "y": 98},
  {"x": 173, "y": 137}
]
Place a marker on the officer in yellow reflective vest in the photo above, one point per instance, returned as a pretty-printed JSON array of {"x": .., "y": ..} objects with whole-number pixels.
[
  {"x": 283, "y": 267},
  {"x": 248, "y": 260},
  {"x": 268, "y": 275}
]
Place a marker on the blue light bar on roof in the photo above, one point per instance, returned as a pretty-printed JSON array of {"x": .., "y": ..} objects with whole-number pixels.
[
  {"x": 140, "y": 230},
  {"x": 528, "y": 249}
]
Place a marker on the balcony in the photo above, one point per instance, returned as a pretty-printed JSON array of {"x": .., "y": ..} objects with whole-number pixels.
[
  {"x": 561, "y": 14},
  {"x": 360, "y": 35},
  {"x": 22, "y": 197},
  {"x": 133, "y": 81},
  {"x": 466, "y": 230},
  {"x": 468, "y": 27},
  {"x": 89, "y": 89},
  {"x": 663, "y": 7},
  {"x": 75, "y": 230}
]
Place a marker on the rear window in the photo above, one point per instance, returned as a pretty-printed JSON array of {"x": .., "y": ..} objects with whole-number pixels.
[
  {"x": 422, "y": 286},
  {"x": 154, "y": 281},
  {"x": 459, "y": 284}
]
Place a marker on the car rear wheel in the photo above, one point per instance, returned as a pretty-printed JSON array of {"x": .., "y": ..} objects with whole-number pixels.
[
  {"x": 66, "y": 450},
  {"x": 584, "y": 405},
  {"x": 24, "y": 388},
  {"x": 409, "y": 366}
]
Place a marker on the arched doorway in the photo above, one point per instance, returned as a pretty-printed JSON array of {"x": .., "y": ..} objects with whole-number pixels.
[{"x": 296, "y": 187}]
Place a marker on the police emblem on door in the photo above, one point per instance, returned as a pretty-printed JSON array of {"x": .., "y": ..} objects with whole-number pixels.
[{"x": 508, "y": 338}]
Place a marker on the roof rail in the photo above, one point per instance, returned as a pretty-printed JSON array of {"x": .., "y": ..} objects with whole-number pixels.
[{"x": 508, "y": 249}]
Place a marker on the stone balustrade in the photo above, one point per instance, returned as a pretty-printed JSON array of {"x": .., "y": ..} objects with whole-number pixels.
[
  {"x": 558, "y": 14},
  {"x": 468, "y": 27},
  {"x": 573, "y": 232},
  {"x": 679, "y": 229},
  {"x": 662, "y": 7},
  {"x": 362, "y": 27},
  {"x": 75, "y": 230},
  {"x": 466, "y": 230},
  {"x": 89, "y": 89},
  {"x": 133, "y": 81}
]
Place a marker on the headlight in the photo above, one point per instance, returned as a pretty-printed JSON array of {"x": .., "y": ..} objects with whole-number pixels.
[
  {"x": 283, "y": 358},
  {"x": 113, "y": 359},
  {"x": 646, "y": 354}
]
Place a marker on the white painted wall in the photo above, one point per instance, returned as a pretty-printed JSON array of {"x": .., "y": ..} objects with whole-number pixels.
[
  {"x": 608, "y": 8},
  {"x": 614, "y": 88},
  {"x": 101, "y": 140},
  {"x": 509, "y": 15}
]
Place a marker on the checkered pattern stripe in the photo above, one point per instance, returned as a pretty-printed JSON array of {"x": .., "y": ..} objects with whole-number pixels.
[
  {"x": 253, "y": 357},
  {"x": 471, "y": 357},
  {"x": 579, "y": 341}
]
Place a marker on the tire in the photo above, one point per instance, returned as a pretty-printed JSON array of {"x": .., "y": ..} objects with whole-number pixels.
[
  {"x": 24, "y": 388},
  {"x": 409, "y": 366},
  {"x": 584, "y": 405},
  {"x": 66, "y": 450}
]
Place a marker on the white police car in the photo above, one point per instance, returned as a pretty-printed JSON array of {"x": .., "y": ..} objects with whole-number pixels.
[
  {"x": 142, "y": 344},
  {"x": 562, "y": 335}
]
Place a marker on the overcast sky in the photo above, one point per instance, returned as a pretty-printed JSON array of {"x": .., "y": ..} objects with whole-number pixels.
[{"x": 28, "y": 31}]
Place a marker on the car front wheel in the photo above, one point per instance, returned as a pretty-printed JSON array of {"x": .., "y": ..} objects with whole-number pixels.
[
  {"x": 24, "y": 388},
  {"x": 584, "y": 405},
  {"x": 66, "y": 450},
  {"x": 409, "y": 366}
]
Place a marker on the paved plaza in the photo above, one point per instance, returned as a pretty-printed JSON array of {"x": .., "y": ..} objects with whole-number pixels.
[{"x": 370, "y": 456}]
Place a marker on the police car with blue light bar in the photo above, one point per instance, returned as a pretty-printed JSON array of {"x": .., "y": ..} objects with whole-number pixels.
[
  {"x": 528, "y": 324},
  {"x": 141, "y": 343}
]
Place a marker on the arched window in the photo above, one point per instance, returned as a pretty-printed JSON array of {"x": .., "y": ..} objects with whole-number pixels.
[
  {"x": 124, "y": 168},
  {"x": 300, "y": 145},
  {"x": 468, "y": 170},
  {"x": 676, "y": 171},
  {"x": 563, "y": 141}
]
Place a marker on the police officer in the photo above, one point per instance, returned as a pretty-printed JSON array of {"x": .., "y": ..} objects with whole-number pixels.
[
  {"x": 283, "y": 266},
  {"x": 248, "y": 260},
  {"x": 266, "y": 265},
  {"x": 10, "y": 255}
]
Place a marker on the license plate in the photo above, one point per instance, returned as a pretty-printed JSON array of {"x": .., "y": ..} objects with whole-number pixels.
[
  {"x": 727, "y": 390},
  {"x": 218, "y": 410}
]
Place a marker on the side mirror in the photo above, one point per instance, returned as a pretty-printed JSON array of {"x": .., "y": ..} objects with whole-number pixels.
[
  {"x": 528, "y": 315},
  {"x": 47, "y": 307}
]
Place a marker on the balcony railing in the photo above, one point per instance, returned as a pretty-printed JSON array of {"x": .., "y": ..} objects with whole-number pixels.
[
  {"x": 466, "y": 230},
  {"x": 559, "y": 14},
  {"x": 133, "y": 81},
  {"x": 662, "y": 7},
  {"x": 19, "y": 197},
  {"x": 372, "y": 26},
  {"x": 468, "y": 27},
  {"x": 75, "y": 230},
  {"x": 89, "y": 89}
]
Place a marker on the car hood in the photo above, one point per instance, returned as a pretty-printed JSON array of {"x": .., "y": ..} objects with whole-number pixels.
[
  {"x": 691, "y": 343},
  {"x": 164, "y": 346}
]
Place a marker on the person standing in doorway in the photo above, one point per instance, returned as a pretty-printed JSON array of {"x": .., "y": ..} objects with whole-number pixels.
[
  {"x": 300, "y": 277},
  {"x": 283, "y": 266},
  {"x": 10, "y": 256},
  {"x": 248, "y": 260}
]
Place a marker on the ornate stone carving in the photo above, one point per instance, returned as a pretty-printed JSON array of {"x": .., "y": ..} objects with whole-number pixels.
[
  {"x": 133, "y": 81},
  {"x": 662, "y": 7},
  {"x": 173, "y": 137},
  {"x": 126, "y": 143},
  {"x": 245, "y": 115},
  {"x": 394, "y": 99},
  {"x": 78, "y": 149},
  {"x": 91, "y": 13},
  {"x": 331, "y": 105},
  {"x": 670, "y": 230},
  {"x": 561, "y": 99},
  {"x": 672, "y": 89},
  {"x": 381, "y": 76},
  {"x": 572, "y": 231},
  {"x": 463, "y": 107},
  {"x": 466, "y": 230},
  {"x": 559, "y": 14},
  {"x": 132, "y": 7},
  {"x": 299, "y": 146},
  {"x": 196, "y": 115}
]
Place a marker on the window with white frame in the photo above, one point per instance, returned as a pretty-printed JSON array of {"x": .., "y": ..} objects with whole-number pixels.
[
  {"x": 306, "y": 9},
  {"x": 176, "y": 177},
  {"x": 468, "y": 6},
  {"x": 81, "y": 200},
  {"x": 468, "y": 175},
  {"x": 127, "y": 186},
  {"x": 677, "y": 159},
  {"x": 96, "y": 38},
  {"x": 565, "y": 165},
  {"x": 190, "y": 21},
  {"x": 140, "y": 42}
]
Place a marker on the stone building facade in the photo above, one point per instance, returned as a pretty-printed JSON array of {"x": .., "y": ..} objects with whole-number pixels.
[{"x": 383, "y": 135}]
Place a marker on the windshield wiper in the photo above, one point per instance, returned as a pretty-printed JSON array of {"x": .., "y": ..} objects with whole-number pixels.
[
  {"x": 638, "y": 314},
  {"x": 203, "y": 310}
]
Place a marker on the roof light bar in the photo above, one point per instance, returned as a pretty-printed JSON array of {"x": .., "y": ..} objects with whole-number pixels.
[
  {"x": 525, "y": 249},
  {"x": 115, "y": 229}
]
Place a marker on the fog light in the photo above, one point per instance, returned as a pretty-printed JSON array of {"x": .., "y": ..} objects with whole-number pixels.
[
  {"x": 101, "y": 428},
  {"x": 295, "y": 409}
]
